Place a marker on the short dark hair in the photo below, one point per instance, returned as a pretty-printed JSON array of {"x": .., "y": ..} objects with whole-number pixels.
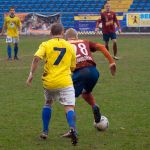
[
  {"x": 57, "y": 29},
  {"x": 11, "y": 7}
]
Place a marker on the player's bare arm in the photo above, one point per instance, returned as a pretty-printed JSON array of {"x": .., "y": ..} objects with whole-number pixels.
[
  {"x": 34, "y": 66},
  {"x": 97, "y": 24},
  {"x": 118, "y": 25},
  {"x": 20, "y": 29},
  {"x": 119, "y": 28},
  {"x": 3, "y": 30}
]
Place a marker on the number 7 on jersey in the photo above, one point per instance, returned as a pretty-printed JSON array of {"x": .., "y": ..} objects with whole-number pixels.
[{"x": 62, "y": 53}]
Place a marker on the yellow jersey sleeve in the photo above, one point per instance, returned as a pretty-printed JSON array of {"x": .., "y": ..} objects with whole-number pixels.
[
  {"x": 73, "y": 60},
  {"x": 41, "y": 52}
]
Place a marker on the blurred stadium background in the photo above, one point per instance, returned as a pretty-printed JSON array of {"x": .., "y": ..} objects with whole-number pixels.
[{"x": 134, "y": 15}]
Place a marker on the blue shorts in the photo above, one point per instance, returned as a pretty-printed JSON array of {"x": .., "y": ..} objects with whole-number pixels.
[
  {"x": 106, "y": 37},
  {"x": 85, "y": 79}
]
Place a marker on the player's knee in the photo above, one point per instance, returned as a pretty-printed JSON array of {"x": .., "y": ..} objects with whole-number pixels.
[
  {"x": 69, "y": 108},
  {"x": 114, "y": 41},
  {"x": 86, "y": 92},
  {"x": 106, "y": 43},
  {"x": 49, "y": 102}
]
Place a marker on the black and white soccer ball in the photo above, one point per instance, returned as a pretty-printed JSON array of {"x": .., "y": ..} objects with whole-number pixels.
[{"x": 103, "y": 124}]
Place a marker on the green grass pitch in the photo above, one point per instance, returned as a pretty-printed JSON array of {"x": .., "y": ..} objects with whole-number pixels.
[{"x": 124, "y": 99}]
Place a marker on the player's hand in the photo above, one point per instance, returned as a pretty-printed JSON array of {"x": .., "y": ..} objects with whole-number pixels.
[
  {"x": 2, "y": 34},
  {"x": 96, "y": 30},
  {"x": 29, "y": 80},
  {"x": 19, "y": 32},
  {"x": 119, "y": 30},
  {"x": 112, "y": 68}
]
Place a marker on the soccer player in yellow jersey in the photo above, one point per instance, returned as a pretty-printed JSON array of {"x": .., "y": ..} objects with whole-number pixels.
[
  {"x": 60, "y": 60},
  {"x": 12, "y": 25}
]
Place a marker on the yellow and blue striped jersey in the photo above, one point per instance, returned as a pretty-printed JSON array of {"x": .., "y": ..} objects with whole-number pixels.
[
  {"x": 12, "y": 25},
  {"x": 60, "y": 59}
]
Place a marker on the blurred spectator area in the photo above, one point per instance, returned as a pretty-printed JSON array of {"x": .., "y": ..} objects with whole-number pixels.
[{"x": 69, "y": 7}]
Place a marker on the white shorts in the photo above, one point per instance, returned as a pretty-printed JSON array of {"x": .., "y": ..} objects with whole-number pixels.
[
  {"x": 12, "y": 39},
  {"x": 66, "y": 96}
]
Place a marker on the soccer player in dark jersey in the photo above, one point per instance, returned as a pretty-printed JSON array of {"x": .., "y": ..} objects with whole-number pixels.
[
  {"x": 108, "y": 19},
  {"x": 86, "y": 75}
]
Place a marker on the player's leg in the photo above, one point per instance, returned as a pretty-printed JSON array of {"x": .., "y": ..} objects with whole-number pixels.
[
  {"x": 78, "y": 84},
  {"x": 71, "y": 119},
  {"x": 9, "y": 41},
  {"x": 90, "y": 81},
  {"x": 89, "y": 98},
  {"x": 16, "y": 51},
  {"x": 46, "y": 116},
  {"x": 84, "y": 81},
  {"x": 115, "y": 49},
  {"x": 46, "y": 113},
  {"x": 15, "y": 40},
  {"x": 106, "y": 40},
  {"x": 9, "y": 51},
  {"x": 67, "y": 98},
  {"x": 107, "y": 45},
  {"x": 71, "y": 116}
]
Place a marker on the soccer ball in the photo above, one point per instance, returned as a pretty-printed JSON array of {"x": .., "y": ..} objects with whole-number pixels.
[{"x": 103, "y": 124}]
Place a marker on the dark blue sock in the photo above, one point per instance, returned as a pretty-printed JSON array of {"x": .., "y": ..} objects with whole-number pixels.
[
  {"x": 97, "y": 113},
  {"x": 15, "y": 50},
  {"x": 46, "y": 116},
  {"x": 94, "y": 106},
  {"x": 9, "y": 51},
  {"x": 71, "y": 118}
]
